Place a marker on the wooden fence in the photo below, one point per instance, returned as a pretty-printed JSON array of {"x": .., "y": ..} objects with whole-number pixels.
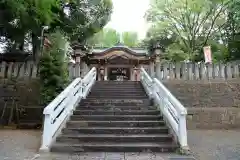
[
  {"x": 198, "y": 71},
  {"x": 28, "y": 70}
]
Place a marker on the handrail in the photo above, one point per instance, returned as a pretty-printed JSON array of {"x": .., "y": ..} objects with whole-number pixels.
[
  {"x": 62, "y": 106},
  {"x": 147, "y": 82},
  {"x": 50, "y": 108},
  {"x": 179, "y": 107},
  {"x": 173, "y": 111}
]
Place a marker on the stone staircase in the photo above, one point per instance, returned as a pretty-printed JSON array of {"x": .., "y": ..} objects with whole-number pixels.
[{"x": 115, "y": 117}]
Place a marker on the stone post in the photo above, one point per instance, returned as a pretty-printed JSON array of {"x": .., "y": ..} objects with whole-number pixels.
[
  {"x": 158, "y": 52},
  {"x": 151, "y": 69},
  {"x": 78, "y": 66},
  {"x": 158, "y": 67},
  {"x": 84, "y": 69}
]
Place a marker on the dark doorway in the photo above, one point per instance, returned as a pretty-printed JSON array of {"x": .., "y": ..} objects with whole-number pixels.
[{"x": 119, "y": 74}]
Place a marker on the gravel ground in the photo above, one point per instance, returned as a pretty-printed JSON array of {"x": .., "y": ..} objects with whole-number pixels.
[
  {"x": 215, "y": 144},
  {"x": 19, "y": 144},
  {"x": 205, "y": 145}
]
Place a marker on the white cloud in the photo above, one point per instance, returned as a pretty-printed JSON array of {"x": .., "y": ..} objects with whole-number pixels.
[{"x": 128, "y": 15}]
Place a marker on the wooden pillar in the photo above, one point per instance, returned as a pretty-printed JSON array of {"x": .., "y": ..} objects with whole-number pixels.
[
  {"x": 105, "y": 73},
  {"x": 132, "y": 74}
]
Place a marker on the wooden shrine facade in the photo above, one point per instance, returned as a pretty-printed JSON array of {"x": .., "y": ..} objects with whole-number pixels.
[{"x": 118, "y": 63}]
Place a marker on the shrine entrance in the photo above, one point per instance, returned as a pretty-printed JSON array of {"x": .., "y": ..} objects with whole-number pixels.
[
  {"x": 119, "y": 63},
  {"x": 119, "y": 74}
]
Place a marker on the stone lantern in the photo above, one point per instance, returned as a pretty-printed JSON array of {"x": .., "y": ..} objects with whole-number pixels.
[{"x": 79, "y": 52}]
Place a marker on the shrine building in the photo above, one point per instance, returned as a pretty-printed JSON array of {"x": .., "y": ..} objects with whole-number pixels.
[{"x": 117, "y": 63}]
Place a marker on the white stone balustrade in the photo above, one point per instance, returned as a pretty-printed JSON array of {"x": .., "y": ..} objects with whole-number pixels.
[
  {"x": 172, "y": 110},
  {"x": 63, "y": 105}
]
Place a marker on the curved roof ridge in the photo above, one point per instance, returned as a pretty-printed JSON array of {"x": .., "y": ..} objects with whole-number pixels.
[{"x": 134, "y": 51}]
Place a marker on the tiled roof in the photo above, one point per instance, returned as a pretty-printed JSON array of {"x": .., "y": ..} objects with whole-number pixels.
[{"x": 134, "y": 51}]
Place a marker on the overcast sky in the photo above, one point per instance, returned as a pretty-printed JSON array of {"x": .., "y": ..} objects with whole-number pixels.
[{"x": 128, "y": 15}]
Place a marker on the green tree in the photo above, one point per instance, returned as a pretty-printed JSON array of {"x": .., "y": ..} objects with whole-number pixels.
[
  {"x": 130, "y": 39},
  {"x": 231, "y": 32},
  {"x": 189, "y": 20},
  {"x": 85, "y": 18},
  {"x": 53, "y": 68},
  {"x": 23, "y": 20},
  {"x": 108, "y": 37},
  {"x": 25, "y": 16}
]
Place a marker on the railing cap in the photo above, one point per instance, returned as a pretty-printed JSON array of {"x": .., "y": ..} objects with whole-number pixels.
[
  {"x": 50, "y": 107},
  {"x": 146, "y": 74},
  {"x": 181, "y": 109}
]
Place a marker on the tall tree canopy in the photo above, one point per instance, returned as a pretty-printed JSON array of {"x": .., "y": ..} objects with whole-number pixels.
[
  {"x": 130, "y": 39},
  {"x": 21, "y": 21},
  {"x": 109, "y": 37},
  {"x": 193, "y": 24}
]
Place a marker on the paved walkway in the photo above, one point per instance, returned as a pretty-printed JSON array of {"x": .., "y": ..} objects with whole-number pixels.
[
  {"x": 19, "y": 144},
  {"x": 215, "y": 144},
  {"x": 206, "y": 145}
]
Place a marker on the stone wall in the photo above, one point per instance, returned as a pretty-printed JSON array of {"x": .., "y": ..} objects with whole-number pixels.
[
  {"x": 213, "y": 118},
  {"x": 21, "y": 98},
  {"x": 210, "y": 104},
  {"x": 206, "y": 94}
]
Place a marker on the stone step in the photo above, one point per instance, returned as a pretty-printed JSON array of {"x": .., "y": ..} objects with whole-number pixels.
[
  {"x": 81, "y": 138},
  {"x": 118, "y": 83},
  {"x": 121, "y": 88},
  {"x": 78, "y": 124},
  {"x": 115, "y": 117},
  {"x": 116, "y": 102},
  {"x": 114, "y": 108},
  {"x": 116, "y": 130},
  {"x": 117, "y": 86},
  {"x": 116, "y": 112},
  {"x": 116, "y": 93},
  {"x": 113, "y": 147},
  {"x": 103, "y": 96}
]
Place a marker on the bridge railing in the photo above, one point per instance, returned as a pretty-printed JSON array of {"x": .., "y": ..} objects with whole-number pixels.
[
  {"x": 62, "y": 106},
  {"x": 173, "y": 111}
]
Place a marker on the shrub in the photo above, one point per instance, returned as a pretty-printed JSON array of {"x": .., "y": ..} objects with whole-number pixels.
[{"x": 53, "y": 68}]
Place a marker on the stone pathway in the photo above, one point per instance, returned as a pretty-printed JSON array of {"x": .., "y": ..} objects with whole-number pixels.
[
  {"x": 215, "y": 144},
  {"x": 111, "y": 156},
  {"x": 205, "y": 145},
  {"x": 19, "y": 144}
]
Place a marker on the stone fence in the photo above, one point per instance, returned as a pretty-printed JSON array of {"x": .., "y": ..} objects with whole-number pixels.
[
  {"x": 165, "y": 71},
  {"x": 197, "y": 71},
  {"x": 29, "y": 70}
]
